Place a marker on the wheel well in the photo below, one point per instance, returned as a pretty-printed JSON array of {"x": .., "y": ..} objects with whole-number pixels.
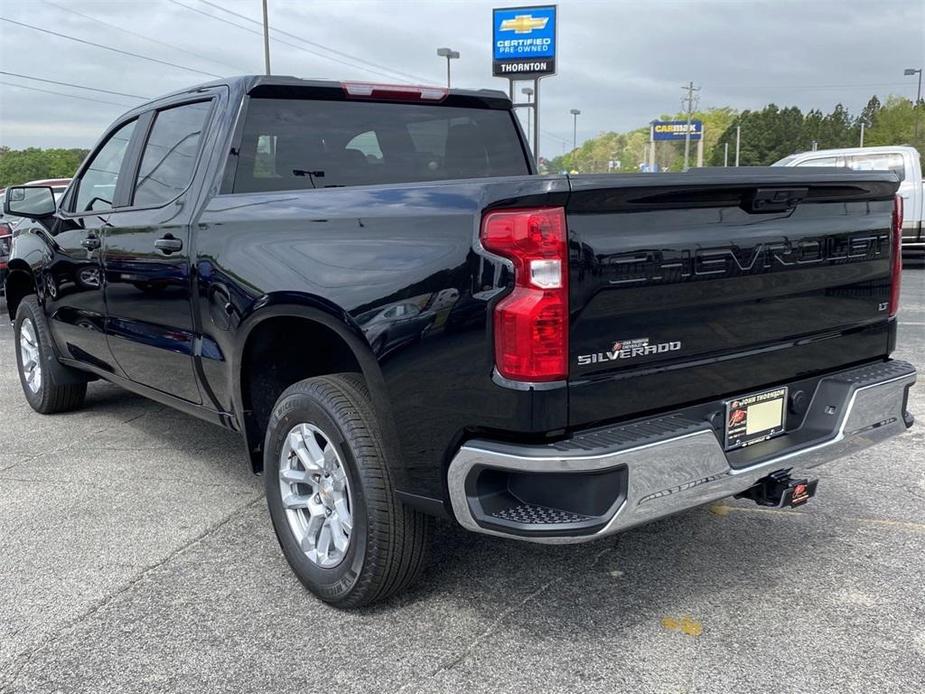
[
  {"x": 279, "y": 352},
  {"x": 19, "y": 284}
]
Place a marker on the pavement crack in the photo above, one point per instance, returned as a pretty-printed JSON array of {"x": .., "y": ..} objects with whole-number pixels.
[
  {"x": 452, "y": 662},
  {"x": 25, "y": 658}
]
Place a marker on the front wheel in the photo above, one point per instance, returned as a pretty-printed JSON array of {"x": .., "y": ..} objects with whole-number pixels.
[
  {"x": 344, "y": 533},
  {"x": 38, "y": 366}
]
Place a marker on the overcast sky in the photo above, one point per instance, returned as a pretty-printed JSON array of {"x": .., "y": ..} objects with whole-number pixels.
[{"x": 621, "y": 62}]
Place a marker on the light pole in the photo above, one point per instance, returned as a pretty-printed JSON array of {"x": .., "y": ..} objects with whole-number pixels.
[
  {"x": 575, "y": 113},
  {"x": 449, "y": 54},
  {"x": 529, "y": 92},
  {"x": 908, "y": 72}
]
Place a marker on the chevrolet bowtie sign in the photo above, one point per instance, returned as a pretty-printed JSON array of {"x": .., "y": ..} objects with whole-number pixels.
[{"x": 524, "y": 42}]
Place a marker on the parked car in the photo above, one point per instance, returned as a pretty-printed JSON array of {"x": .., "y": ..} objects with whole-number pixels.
[
  {"x": 616, "y": 348},
  {"x": 905, "y": 162}
]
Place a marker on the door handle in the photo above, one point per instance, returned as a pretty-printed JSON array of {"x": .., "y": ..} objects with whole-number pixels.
[
  {"x": 168, "y": 244},
  {"x": 91, "y": 243}
]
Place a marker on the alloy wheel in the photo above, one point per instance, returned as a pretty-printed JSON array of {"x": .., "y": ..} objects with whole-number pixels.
[
  {"x": 31, "y": 363},
  {"x": 315, "y": 492}
]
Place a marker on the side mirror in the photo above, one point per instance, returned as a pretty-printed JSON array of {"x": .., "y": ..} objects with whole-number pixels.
[{"x": 34, "y": 202}]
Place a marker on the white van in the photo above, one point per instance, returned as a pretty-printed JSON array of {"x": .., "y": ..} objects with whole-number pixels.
[{"x": 903, "y": 161}]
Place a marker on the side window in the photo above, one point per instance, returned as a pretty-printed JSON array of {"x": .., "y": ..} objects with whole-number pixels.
[
  {"x": 265, "y": 158},
  {"x": 820, "y": 161},
  {"x": 170, "y": 154},
  {"x": 878, "y": 162},
  {"x": 97, "y": 185},
  {"x": 367, "y": 144}
]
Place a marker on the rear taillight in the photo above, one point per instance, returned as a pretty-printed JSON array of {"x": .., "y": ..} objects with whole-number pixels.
[
  {"x": 896, "y": 257},
  {"x": 531, "y": 323}
]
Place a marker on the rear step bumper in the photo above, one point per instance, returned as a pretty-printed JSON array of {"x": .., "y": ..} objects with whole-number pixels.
[{"x": 607, "y": 480}]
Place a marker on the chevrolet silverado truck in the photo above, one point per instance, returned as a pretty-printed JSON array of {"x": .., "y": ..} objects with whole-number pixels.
[{"x": 373, "y": 285}]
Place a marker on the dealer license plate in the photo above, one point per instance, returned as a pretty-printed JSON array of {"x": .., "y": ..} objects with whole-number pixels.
[{"x": 754, "y": 418}]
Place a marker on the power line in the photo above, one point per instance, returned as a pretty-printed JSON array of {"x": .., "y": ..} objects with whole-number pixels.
[
  {"x": 107, "y": 48},
  {"x": 278, "y": 40},
  {"x": 73, "y": 96},
  {"x": 314, "y": 43},
  {"x": 69, "y": 84},
  {"x": 141, "y": 36}
]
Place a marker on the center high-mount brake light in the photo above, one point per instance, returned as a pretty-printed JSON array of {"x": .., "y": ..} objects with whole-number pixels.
[
  {"x": 896, "y": 257},
  {"x": 531, "y": 323},
  {"x": 393, "y": 92}
]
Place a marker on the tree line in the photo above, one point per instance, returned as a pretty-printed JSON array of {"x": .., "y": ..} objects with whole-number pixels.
[
  {"x": 767, "y": 135},
  {"x": 21, "y": 165}
]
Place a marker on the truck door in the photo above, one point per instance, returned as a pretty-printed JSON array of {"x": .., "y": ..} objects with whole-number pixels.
[
  {"x": 146, "y": 257},
  {"x": 72, "y": 277}
]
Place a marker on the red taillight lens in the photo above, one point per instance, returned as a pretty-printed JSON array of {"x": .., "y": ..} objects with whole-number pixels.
[
  {"x": 531, "y": 323},
  {"x": 896, "y": 249}
]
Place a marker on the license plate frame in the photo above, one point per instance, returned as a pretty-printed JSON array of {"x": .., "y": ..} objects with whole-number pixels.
[{"x": 768, "y": 410}]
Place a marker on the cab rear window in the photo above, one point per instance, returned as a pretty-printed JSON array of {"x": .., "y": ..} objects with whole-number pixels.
[{"x": 292, "y": 144}]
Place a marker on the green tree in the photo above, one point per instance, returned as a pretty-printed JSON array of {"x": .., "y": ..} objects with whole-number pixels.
[
  {"x": 20, "y": 166},
  {"x": 895, "y": 124}
]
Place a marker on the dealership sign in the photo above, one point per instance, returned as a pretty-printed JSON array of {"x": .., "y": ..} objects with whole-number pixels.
[
  {"x": 524, "y": 42},
  {"x": 676, "y": 129}
]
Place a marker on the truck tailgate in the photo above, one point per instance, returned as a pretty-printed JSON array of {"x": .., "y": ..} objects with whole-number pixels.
[{"x": 696, "y": 286}]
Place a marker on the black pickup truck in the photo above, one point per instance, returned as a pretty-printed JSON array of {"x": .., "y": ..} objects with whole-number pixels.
[{"x": 404, "y": 320}]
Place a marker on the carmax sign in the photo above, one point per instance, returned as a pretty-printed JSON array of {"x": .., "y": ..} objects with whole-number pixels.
[
  {"x": 676, "y": 129},
  {"x": 524, "y": 41}
]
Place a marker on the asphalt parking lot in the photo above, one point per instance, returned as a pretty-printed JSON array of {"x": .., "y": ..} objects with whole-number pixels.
[{"x": 136, "y": 555}]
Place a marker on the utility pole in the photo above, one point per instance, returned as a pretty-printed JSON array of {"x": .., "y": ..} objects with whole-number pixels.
[
  {"x": 726, "y": 155},
  {"x": 738, "y": 142},
  {"x": 691, "y": 89},
  {"x": 862, "y": 135},
  {"x": 266, "y": 38},
  {"x": 575, "y": 113}
]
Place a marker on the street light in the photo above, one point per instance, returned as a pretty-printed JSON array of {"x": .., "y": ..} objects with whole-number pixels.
[
  {"x": 529, "y": 92},
  {"x": 575, "y": 113},
  {"x": 908, "y": 72},
  {"x": 449, "y": 54}
]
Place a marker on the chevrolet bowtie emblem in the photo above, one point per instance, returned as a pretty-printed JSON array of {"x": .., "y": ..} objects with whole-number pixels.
[{"x": 524, "y": 23}]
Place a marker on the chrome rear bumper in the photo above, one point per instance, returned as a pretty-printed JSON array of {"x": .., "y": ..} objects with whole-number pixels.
[{"x": 672, "y": 463}]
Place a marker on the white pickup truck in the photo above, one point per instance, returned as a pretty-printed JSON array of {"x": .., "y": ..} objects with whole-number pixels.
[{"x": 905, "y": 162}]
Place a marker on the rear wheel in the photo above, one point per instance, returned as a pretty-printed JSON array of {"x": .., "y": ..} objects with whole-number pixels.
[
  {"x": 332, "y": 503},
  {"x": 39, "y": 370}
]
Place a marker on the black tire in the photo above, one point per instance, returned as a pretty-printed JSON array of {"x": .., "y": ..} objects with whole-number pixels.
[
  {"x": 389, "y": 542},
  {"x": 53, "y": 395}
]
